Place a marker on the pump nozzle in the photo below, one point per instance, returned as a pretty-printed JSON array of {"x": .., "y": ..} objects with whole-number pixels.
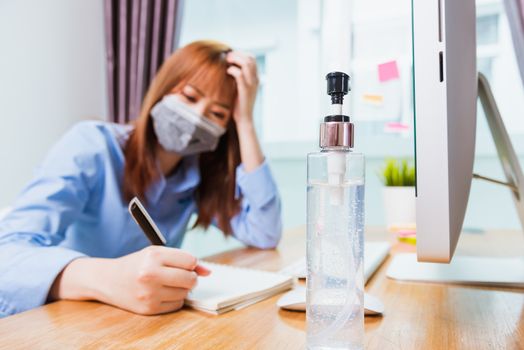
[
  {"x": 337, "y": 129},
  {"x": 336, "y": 135},
  {"x": 337, "y": 86}
]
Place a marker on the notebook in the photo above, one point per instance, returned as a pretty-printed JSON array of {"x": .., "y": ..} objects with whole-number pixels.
[{"x": 232, "y": 288}]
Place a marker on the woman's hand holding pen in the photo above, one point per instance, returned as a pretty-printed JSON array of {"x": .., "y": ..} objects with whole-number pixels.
[{"x": 151, "y": 281}]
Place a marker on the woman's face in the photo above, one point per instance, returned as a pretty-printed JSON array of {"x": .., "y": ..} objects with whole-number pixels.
[{"x": 195, "y": 98}]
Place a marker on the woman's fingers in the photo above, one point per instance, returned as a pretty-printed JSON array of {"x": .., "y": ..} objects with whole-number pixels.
[
  {"x": 170, "y": 306},
  {"x": 172, "y": 257},
  {"x": 174, "y": 277},
  {"x": 247, "y": 65},
  {"x": 202, "y": 270},
  {"x": 238, "y": 75},
  {"x": 170, "y": 294},
  {"x": 241, "y": 59}
]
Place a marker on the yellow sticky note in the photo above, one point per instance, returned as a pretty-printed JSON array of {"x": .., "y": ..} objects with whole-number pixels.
[
  {"x": 409, "y": 240},
  {"x": 373, "y": 99}
]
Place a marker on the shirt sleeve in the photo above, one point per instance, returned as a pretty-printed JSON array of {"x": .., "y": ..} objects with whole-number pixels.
[
  {"x": 259, "y": 222},
  {"x": 30, "y": 258}
]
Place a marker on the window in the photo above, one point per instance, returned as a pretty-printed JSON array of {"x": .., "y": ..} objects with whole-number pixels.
[
  {"x": 292, "y": 41},
  {"x": 488, "y": 29}
]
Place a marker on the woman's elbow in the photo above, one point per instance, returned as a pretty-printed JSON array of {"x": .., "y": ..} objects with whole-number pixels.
[{"x": 271, "y": 238}]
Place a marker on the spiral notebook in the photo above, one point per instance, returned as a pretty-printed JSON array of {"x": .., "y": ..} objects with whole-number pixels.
[{"x": 231, "y": 288}]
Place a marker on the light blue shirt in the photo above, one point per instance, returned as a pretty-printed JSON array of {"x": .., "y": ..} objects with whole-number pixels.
[{"x": 74, "y": 207}]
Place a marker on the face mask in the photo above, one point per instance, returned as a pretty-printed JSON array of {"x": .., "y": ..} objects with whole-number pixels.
[{"x": 179, "y": 129}]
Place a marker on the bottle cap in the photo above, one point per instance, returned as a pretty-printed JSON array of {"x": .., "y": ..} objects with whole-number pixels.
[{"x": 336, "y": 132}]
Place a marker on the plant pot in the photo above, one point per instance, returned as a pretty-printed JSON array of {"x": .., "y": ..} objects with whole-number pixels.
[{"x": 399, "y": 207}]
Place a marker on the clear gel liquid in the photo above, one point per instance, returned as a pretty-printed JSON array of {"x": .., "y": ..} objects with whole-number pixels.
[{"x": 335, "y": 284}]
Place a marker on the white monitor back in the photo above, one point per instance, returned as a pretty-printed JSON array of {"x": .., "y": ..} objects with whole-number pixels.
[{"x": 445, "y": 95}]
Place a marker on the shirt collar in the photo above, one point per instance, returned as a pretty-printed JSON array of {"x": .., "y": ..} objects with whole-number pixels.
[{"x": 185, "y": 178}]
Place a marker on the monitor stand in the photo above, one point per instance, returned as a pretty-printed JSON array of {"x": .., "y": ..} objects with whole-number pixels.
[{"x": 477, "y": 270}]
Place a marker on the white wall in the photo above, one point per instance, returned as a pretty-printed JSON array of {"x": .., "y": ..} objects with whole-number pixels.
[
  {"x": 286, "y": 31},
  {"x": 51, "y": 76}
]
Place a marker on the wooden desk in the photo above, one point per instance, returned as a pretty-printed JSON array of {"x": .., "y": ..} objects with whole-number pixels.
[{"x": 418, "y": 316}]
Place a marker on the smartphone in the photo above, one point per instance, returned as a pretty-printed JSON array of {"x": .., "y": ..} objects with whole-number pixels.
[{"x": 143, "y": 219}]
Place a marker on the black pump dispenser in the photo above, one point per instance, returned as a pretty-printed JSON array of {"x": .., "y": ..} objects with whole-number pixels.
[
  {"x": 337, "y": 86},
  {"x": 336, "y": 132}
]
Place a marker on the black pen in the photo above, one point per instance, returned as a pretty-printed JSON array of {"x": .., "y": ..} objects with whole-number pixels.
[{"x": 146, "y": 223}]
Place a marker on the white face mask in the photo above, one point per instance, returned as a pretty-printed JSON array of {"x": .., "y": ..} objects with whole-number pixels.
[{"x": 179, "y": 129}]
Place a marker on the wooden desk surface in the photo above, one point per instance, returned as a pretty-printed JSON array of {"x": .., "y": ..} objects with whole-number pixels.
[{"x": 418, "y": 315}]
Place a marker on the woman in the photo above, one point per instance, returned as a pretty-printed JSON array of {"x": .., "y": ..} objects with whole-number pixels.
[{"x": 193, "y": 149}]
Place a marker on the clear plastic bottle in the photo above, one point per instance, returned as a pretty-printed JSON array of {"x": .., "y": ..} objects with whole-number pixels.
[{"x": 335, "y": 226}]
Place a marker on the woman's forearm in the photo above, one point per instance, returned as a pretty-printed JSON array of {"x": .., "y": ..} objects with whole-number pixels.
[
  {"x": 81, "y": 279},
  {"x": 139, "y": 282},
  {"x": 250, "y": 151}
]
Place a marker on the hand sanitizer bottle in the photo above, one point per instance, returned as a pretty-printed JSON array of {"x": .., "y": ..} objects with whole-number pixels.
[{"x": 335, "y": 226}]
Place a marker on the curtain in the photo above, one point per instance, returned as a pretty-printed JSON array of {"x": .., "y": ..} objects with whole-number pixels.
[
  {"x": 515, "y": 13},
  {"x": 140, "y": 35}
]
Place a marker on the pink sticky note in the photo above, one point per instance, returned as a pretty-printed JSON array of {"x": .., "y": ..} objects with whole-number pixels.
[
  {"x": 388, "y": 71},
  {"x": 396, "y": 127}
]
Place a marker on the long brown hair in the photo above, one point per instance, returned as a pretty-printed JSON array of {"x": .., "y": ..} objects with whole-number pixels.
[{"x": 201, "y": 63}]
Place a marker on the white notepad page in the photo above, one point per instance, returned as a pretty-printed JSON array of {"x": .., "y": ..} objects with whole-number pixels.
[{"x": 230, "y": 286}]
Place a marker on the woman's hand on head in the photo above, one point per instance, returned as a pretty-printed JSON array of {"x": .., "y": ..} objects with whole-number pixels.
[
  {"x": 151, "y": 281},
  {"x": 244, "y": 69}
]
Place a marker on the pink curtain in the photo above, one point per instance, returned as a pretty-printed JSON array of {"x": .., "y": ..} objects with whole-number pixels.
[
  {"x": 515, "y": 14},
  {"x": 140, "y": 35}
]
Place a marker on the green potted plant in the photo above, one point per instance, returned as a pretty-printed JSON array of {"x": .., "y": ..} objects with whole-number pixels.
[{"x": 398, "y": 177}]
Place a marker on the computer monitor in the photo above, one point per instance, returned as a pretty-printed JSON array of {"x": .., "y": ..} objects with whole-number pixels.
[
  {"x": 446, "y": 86},
  {"x": 445, "y": 100}
]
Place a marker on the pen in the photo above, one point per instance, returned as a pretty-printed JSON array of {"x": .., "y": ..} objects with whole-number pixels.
[
  {"x": 150, "y": 229},
  {"x": 145, "y": 222}
]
